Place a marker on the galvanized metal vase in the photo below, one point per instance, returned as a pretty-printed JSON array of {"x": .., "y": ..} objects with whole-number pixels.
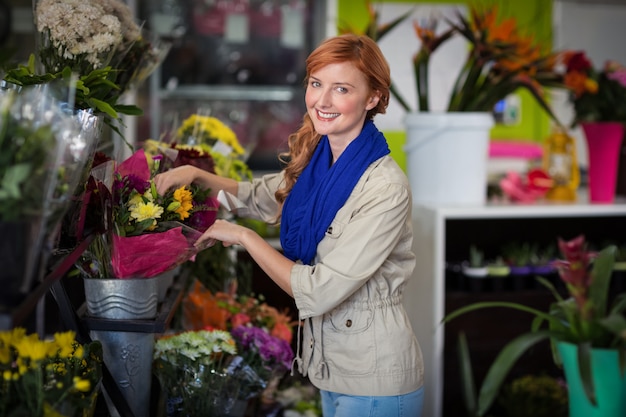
[{"x": 127, "y": 355}]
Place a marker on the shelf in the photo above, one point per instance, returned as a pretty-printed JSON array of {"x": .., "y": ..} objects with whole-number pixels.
[
  {"x": 543, "y": 209},
  {"x": 232, "y": 93}
]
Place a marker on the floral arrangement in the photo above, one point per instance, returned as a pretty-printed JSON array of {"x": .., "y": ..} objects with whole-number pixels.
[
  {"x": 143, "y": 233},
  {"x": 597, "y": 95},
  {"x": 268, "y": 355},
  {"x": 42, "y": 150},
  {"x": 57, "y": 377},
  {"x": 96, "y": 49},
  {"x": 228, "y": 310},
  {"x": 209, "y": 134},
  {"x": 584, "y": 319},
  {"x": 500, "y": 60},
  {"x": 201, "y": 372}
]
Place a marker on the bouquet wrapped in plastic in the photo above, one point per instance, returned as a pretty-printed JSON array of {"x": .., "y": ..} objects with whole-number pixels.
[
  {"x": 141, "y": 233},
  {"x": 43, "y": 148}
]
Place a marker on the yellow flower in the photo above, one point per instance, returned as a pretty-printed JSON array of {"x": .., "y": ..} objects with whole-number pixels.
[
  {"x": 82, "y": 385},
  {"x": 144, "y": 211},
  {"x": 206, "y": 129},
  {"x": 65, "y": 342},
  {"x": 185, "y": 198},
  {"x": 32, "y": 348}
]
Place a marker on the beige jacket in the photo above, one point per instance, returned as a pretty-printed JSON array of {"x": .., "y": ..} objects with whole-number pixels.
[{"x": 357, "y": 338}]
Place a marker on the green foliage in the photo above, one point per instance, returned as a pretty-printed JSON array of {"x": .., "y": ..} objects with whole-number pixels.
[
  {"x": 24, "y": 152},
  {"x": 96, "y": 90},
  {"x": 585, "y": 320}
]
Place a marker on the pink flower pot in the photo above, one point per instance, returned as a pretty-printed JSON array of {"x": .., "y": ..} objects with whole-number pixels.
[{"x": 604, "y": 141}]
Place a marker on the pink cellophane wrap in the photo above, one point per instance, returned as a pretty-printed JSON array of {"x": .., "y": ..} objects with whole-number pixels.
[{"x": 151, "y": 254}]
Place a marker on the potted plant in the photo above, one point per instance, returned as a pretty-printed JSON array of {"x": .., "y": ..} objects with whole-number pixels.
[
  {"x": 598, "y": 98},
  {"x": 475, "y": 267},
  {"x": 586, "y": 331},
  {"x": 500, "y": 61}
]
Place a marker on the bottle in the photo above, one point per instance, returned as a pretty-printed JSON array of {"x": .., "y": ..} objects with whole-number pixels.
[{"x": 560, "y": 162}]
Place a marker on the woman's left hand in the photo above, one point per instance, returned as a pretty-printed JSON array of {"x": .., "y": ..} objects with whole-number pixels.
[{"x": 228, "y": 233}]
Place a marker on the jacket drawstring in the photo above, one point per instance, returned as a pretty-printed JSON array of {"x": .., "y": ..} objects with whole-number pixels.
[{"x": 297, "y": 359}]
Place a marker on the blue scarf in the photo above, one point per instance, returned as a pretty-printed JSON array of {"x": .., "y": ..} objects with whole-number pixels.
[{"x": 322, "y": 189}]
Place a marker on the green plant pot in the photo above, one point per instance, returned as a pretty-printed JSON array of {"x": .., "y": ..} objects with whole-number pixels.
[{"x": 609, "y": 383}]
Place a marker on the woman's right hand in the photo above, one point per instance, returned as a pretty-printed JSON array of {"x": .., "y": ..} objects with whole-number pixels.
[{"x": 176, "y": 177}]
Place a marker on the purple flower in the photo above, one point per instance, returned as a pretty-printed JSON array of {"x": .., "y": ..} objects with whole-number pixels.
[{"x": 273, "y": 351}]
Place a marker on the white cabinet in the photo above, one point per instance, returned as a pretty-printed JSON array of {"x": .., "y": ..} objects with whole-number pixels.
[{"x": 441, "y": 231}]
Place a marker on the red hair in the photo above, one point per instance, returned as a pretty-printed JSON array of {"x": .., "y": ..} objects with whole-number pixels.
[{"x": 366, "y": 56}]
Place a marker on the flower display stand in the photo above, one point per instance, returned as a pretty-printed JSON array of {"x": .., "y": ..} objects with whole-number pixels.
[{"x": 120, "y": 401}]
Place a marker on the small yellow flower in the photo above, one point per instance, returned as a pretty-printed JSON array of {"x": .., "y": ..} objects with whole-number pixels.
[
  {"x": 185, "y": 198},
  {"x": 82, "y": 385}
]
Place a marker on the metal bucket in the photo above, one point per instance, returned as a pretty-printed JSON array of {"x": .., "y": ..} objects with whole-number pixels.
[
  {"x": 114, "y": 298},
  {"x": 127, "y": 355}
]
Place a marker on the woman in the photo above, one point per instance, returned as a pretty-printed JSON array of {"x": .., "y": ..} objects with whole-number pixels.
[{"x": 345, "y": 228}]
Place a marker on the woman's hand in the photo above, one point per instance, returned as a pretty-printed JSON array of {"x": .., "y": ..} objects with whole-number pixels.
[
  {"x": 227, "y": 232},
  {"x": 176, "y": 177}
]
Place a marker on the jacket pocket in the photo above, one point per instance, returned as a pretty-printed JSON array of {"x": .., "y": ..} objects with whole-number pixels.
[
  {"x": 334, "y": 230},
  {"x": 349, "y": 341}
]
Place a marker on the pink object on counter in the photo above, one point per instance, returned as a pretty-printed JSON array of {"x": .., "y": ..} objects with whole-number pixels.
[{"x": 514, "y": 149}]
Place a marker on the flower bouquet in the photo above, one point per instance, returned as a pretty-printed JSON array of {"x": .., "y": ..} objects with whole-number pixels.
[
  {"x": 269, "y": 356},
  {"x": 201, "y": 373},
  {"x": 43, "y": 148},
  {"x": 213, "y": 136},
  {"x": 57, "y": 377},
  {"x": 227, "y": 310},
  {"x": 597, "y": 95},
  {"x": 141, "y": 233}
]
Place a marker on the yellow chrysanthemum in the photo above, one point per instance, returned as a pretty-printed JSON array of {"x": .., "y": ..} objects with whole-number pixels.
[
  {"x": 144, "y": 211},
  {"x": 185, "y": 198},
  {"x": 65, "y": 342},
  {"x": 207, "y": 128},
  {"x": 32, "y": 348}
]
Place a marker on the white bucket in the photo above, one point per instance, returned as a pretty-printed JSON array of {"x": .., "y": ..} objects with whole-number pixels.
[{"x": 447, "y": 157}]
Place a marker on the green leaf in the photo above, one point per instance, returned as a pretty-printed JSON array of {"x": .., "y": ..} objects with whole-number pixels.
[
  {"x": 104, "y": 107},
  {"x": 130, "y": 110},
  {"x": 502, "y": 365},
  {"x": 584, "y": 367},
  {"x": 490, "y": 304},
  {"x": 601, "y": 279},
  {"x": 13, "y": 179},
  {"x": 467, "y": 377}
]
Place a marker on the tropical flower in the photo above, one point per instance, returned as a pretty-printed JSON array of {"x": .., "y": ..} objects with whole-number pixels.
[
  {"x": 51, "y": 377},
  {"x": 500, "y": 61},
  {"x": 596, "y": 95},
  {"x": 584, "y": 319}
]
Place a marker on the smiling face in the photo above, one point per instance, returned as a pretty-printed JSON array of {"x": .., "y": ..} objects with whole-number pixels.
[{"x": 337, "y": 100}]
